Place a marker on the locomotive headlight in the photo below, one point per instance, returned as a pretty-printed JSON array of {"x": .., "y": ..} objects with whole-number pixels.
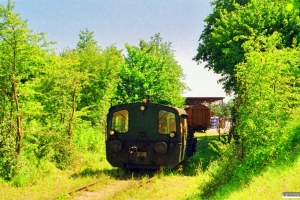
[
  {"x": 172, "y": 134},
  {"x": 142, "y": 108},
  {"x": 111, "y": 132},
  {"x": 161, "y": 147},
  {"x": 115, "y": 145}
]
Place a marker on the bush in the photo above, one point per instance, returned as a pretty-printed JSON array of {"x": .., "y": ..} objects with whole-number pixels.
[
  {"x": 8, "y": 155},
  {"x": 48, "y": 145},
  {"x": 87, "y": 137}
]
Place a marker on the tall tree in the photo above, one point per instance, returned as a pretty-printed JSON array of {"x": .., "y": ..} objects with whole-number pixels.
[
  {"x": 86, "y": 40},
  {"x": 22, "y": 56},
  {"x": 103, "y": 68},
  {"x": 151, "y": 69},
  {"x": 232, "y": 23},
  {"x": 19, "y": 61}
]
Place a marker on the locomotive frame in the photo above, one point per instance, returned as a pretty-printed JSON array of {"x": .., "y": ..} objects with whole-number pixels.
[{"x": 148, "y": 136}]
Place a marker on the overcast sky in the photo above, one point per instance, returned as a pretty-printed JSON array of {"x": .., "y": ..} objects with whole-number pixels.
[{"x": 116, "y": 22}]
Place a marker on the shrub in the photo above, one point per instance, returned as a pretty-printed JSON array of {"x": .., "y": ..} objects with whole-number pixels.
[{"x": 8, "y": 155}]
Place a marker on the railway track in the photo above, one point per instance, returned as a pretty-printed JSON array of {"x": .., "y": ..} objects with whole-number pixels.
[
  {"x": 200, "y": 142},
  {"x": 113, "y": 187},
  {"x": 110, "y": 189},
  {"x": 84, "y": 187}
]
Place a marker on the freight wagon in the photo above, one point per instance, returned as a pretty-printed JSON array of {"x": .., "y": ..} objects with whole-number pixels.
[{"x": 199, "y": 117}]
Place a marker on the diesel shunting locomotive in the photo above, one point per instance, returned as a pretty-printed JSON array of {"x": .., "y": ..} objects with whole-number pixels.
[{"x": 147, "y": 135}]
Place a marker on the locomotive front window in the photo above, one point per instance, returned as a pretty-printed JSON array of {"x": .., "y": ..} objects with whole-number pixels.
[
  {"x": 120, "y": 121},
  {"x": 166, "y": 122}
]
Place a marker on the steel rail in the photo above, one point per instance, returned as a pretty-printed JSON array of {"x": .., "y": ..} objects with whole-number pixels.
[{"x": 80, "y": 188}]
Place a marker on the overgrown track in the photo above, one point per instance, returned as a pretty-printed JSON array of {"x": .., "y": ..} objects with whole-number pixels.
[
  {"x": 110, "y": 189},
  {"x": 117, "y": 184},
  {"x": 72, "y": 192},
  {"x": 114, "y": 188},
  {"x": 200, "y": 143}
]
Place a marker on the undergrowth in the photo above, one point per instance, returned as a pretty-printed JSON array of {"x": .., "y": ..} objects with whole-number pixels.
[{"x": 230, "y": 172}]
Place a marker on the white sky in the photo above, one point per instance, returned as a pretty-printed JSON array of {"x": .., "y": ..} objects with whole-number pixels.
[{"x": 119, "y": 21}]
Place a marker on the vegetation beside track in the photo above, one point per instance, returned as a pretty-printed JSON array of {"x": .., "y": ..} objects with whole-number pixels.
[
  {"x": 259, "y": 64},
  {"x": 187, "y": 181}
]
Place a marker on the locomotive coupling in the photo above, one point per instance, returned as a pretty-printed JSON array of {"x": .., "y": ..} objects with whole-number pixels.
[{"x": 133, "y": 149}]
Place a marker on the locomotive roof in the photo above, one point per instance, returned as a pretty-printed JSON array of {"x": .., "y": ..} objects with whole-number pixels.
[{"x": 179, "y": 110}]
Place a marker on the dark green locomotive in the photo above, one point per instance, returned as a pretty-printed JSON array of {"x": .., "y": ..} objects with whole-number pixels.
[{"x": 147, "y": 135}]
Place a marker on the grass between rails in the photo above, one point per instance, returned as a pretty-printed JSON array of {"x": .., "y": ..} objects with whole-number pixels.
[{"x": 166, "y": 187}]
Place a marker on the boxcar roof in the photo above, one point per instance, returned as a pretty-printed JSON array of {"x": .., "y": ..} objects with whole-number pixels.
[{"x": 199, "y": 100}]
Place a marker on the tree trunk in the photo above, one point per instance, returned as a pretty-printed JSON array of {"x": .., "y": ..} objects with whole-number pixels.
[
  {"x": 15, "y": 98},
  {"x": 70, "y": 129}
]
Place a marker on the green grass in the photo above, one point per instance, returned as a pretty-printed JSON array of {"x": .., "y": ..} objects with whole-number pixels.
[
  {"x": 270, "y": 184},
  {"x": 280, "y": 176},
  {"x": 184, "y": 182},
  {"x": 276, "y": 178},
  {"x": 55, "y": 182},
  {"x": 181, "y": 183},
  {"x": 207, "y": 149}
]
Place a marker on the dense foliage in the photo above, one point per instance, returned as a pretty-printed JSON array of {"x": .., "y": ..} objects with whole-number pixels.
[
  {"x": 151, "y": 69},
  {"x": 268, "y": 98},
  {"x": 255, "y": 46},
  {"x": 234, "y": 22},
  {"x": 53, "y": 107},
  {"x": 22, "y": 57}
]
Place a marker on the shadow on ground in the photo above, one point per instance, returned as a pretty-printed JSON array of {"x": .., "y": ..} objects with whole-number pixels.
[{"x": 206, "y": 153}]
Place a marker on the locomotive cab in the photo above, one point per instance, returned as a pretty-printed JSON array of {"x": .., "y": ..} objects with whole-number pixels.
[{"x": 147, "y": 135}]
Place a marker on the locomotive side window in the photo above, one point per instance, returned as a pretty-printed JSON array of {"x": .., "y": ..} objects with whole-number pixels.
[
  {"x": 120, "y": 121},
  {"x": 166, "y": 122}
]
